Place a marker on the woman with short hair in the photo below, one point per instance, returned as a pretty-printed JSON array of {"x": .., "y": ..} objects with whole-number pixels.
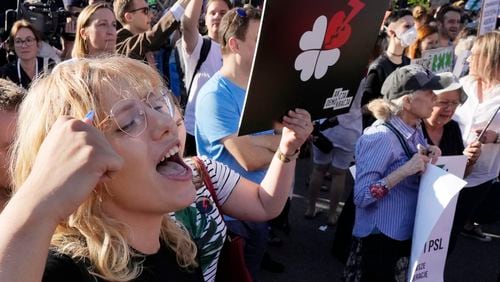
[{"x": 26, "y": 41}]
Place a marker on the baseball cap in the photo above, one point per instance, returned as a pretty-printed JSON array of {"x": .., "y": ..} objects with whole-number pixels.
[
  {"x": 408, "y": 79},
  {"x": 450, "y": 83}
]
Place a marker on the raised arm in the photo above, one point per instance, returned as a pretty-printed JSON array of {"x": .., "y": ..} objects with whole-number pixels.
[
  {"x": 190, "y": 25},
  {"x": 73, "y": 158},
  {"x": 138, "y": 45},
  {"x": 251, "y": 201}
]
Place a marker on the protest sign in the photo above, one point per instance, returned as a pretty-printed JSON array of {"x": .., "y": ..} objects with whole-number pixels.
[
  {"x": 437, "y": 60},
  {"x": 437, "y": 199},
  {"x": 489, "y": 14},
  {"x": 461, "y": 67},
  {"x": 311, "y": 55}
]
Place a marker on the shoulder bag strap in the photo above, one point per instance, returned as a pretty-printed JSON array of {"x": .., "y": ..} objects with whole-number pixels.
[
  {"x": 202, "y": 170},
  {"x": 205, "y": 49},
  {"x": 401, "y": 139}
]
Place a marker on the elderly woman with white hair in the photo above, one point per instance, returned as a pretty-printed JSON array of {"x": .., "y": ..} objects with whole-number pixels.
[{"x": 389, "y": 157}]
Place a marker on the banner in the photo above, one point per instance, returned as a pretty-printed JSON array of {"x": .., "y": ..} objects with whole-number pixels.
[
  {"x": 437, "y": 200},
  {"x": 489, "y": 14},
  {"x": 312, "y": 55},
  {"x": 437, "y": 60}
]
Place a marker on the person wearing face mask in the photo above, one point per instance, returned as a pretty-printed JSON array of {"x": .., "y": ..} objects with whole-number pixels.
[
  {"x": 427, "y": 39},
  {"x": 400, "y": 31}
]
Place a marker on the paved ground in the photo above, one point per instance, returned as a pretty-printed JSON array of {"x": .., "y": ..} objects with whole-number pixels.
[{"x": 306, "y": 250}]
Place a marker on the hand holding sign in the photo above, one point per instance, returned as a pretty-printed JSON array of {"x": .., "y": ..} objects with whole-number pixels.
[
  {"x": 473, "y": 151},
  {"x": 298, "y": 128},
  {"x": 416, "y": 164}
]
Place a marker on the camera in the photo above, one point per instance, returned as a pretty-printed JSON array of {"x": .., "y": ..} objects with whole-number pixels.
[{"x": 47, "y": 16}]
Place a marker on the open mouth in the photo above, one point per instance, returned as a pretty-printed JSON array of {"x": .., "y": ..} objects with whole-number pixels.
[{"x": 172, "y": 166}]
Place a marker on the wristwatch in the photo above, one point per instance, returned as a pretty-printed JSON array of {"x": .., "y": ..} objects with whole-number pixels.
[
  {"x": 497, "y": 141},
  {"x": 379, "y": 189},
  {"x": 285, "y": 158}
]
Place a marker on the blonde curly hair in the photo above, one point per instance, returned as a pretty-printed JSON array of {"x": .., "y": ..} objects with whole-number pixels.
[{"x": 71, "y": 89}]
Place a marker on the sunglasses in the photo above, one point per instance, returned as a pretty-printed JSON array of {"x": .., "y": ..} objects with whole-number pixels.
[{"x": 144, "y": 10}]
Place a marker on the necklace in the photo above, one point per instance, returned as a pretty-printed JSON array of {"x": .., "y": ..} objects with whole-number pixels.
[{"x": 19, "y": 70}]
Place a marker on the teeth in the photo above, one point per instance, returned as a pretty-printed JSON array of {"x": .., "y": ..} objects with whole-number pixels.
[{"x": 170, "y": 153}]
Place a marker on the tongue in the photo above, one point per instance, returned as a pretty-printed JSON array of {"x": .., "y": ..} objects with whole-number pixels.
[{"x": 171, "y": 169}]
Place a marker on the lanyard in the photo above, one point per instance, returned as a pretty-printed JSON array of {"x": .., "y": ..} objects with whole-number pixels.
[{"x": 19, "y": 70}]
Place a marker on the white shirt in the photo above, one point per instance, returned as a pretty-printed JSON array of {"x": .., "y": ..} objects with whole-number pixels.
[
  {"x": 473, "y": 115},
  {"x": 211, "y": 65}
]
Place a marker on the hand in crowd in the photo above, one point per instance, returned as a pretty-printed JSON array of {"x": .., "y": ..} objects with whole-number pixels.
[
  {"x": 473, "y": 151},
  {"x": 416, "y": 164},
  {"x": 434, "y": 153},
  {"x": 72, "y": 159},
  {"x": 488, "y": 137},
  {"x": 297, "y": 129}
]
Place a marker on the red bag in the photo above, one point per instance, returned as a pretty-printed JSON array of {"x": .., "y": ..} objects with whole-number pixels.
[{"x": 231, "y": 266}]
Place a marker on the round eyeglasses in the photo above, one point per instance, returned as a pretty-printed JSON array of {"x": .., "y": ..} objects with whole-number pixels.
[
  {"x": 129, "y": 114},
  {"x": 28, "y": 42}
]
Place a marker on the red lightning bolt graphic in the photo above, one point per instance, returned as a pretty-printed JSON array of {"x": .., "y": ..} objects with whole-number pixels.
[{"x": 339, "y": 30}]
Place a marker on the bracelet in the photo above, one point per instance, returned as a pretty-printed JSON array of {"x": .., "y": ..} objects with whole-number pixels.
[
  {"x": 285, "y": 158},
  {"x": 379, "y": 189}
]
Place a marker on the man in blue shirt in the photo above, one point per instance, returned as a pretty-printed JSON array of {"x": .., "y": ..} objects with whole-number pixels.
[{"x": 219, "y": 106}]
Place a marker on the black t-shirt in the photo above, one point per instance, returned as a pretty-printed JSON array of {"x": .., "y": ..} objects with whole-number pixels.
[
  {"x": 378, "y": 71},
  {"x": 159, "y": 267},
  {"x": 451, "y": 143}
]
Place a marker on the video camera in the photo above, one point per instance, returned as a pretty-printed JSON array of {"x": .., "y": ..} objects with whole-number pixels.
[{"x": 47, "y": 16}]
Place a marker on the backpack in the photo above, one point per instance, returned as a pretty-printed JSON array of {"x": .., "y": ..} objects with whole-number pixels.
[{"x": 177, "y": 70}]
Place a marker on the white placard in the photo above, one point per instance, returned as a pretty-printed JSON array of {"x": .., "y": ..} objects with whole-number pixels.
[
  {"x": 489, "y": 14},
  {"x": 461, "y": 65},
  {"x": 437, "y": 199},
  {"x": 437, "y": 60}
]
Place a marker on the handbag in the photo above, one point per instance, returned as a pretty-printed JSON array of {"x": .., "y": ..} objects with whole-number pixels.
[{"x": 231, "y": 266}]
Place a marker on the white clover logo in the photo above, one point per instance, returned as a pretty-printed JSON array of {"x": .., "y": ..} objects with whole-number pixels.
[
  {"x": 314, "y": 59},
  {"x": 321, "y": 45}
]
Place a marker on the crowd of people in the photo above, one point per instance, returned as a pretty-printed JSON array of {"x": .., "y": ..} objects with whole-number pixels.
[{"x": 98, "y": 176}]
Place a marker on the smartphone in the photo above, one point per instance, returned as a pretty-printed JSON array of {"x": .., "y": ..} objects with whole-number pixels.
[{"x": 487, "y": 125}]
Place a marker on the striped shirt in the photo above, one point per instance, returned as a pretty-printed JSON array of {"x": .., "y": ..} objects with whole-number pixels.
[
  {"x": 378, "y": 153},
  {"x": 203, "y": 220}
]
